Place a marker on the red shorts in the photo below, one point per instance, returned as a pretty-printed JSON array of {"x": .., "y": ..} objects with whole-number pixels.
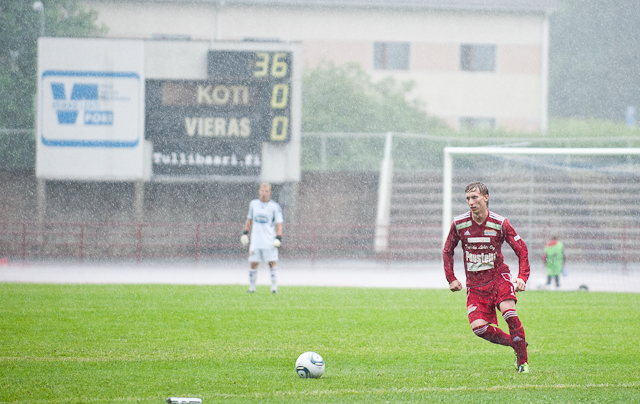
[{"x": 483, "y": 301}]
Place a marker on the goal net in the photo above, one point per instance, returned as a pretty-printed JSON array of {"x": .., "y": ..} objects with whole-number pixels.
[{"x": 587, "y": 197}]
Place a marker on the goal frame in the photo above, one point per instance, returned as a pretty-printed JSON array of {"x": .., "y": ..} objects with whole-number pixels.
[{"x": 447, "y": 178}]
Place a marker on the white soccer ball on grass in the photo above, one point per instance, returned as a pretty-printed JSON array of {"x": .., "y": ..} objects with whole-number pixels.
[{"x": 310, "y": 365}]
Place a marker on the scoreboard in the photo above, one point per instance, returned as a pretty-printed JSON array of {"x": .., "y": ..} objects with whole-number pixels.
[
  {"x": 268, "y": 81},
  {"x": 218, "y": 125}
]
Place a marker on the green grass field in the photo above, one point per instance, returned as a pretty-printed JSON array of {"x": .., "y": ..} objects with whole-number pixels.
[{"x": 142, "y": 344}]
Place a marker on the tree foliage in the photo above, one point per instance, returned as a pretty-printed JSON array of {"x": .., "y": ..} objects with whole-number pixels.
[
  {"x": 594, "y": 60},
  {"x": 19, "y": 32},
  {"x": 346, "y": 99}
]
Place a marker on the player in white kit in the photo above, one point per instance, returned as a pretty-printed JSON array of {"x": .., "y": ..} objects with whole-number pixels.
[{"x": 265, "y": 223}]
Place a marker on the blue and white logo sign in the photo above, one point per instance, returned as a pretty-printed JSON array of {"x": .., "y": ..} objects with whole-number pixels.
[{"x": 91, "y": 109}]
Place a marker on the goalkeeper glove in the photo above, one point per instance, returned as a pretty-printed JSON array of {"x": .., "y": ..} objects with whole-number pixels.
[
  {"x": 277, "y": 242},
  {"x": 245, "y": 238}
]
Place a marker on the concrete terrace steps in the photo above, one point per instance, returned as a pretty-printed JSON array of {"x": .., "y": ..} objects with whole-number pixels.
[
  {"x": 416, "y": 201},
  {"x": 409, "y": 220},
  {"x": 558, "y": 204},
  {"x": 598, "y": 216},
  {"x": 584, "y": 183},
  {"x": 416, "y": 214},
  {"x": 625, "y": 209}
]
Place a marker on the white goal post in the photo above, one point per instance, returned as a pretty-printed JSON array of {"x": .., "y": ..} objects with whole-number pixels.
[{"x": 450, "y": 151}]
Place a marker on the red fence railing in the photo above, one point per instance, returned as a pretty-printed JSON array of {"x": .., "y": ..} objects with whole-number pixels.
[{"x": 199, "y": 241}]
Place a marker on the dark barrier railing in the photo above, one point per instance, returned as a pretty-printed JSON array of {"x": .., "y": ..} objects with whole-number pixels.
[{"x": 27, "y": 241}]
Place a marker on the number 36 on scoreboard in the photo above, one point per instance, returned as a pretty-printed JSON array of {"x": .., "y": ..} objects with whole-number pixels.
[
  {"x": 276, "y": 66},
  {"x": 269, "y": 73}
]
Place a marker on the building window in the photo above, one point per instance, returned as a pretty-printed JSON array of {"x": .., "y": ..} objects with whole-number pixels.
[
  {"x": 391, "y": 55},
  {"x": 478, "y": 58},
  {"x": 467, "y": 123}
]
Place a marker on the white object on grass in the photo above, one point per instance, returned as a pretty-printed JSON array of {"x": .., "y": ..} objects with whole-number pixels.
[{"x": 310, "y": 365}]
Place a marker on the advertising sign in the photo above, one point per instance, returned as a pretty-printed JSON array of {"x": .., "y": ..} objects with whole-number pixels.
[
  {"x": 200, "y": 158},
  {"x": 90, "y": 119},
  {"x": 90, "y": 108}
]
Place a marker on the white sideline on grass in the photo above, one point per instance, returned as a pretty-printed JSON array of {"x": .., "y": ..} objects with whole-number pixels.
[{"x": 333, "y": 273}]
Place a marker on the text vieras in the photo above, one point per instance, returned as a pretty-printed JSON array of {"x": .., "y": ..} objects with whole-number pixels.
[{"x": 217, "y": 127}]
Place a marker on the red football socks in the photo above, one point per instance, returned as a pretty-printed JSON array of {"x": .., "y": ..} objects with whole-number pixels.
[
  {"x": 493, "y": 334},
  {"x": 517, "y": 335}
]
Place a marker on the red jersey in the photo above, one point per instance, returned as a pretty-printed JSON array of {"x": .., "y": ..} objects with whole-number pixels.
[{"x": 482, "y": 249}]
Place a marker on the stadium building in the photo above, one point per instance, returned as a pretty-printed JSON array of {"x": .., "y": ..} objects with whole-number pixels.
[{"x": 475, "y": 63}]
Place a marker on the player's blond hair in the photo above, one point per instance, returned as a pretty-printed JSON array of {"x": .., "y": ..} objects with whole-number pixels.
[
  {"x": 477, "y": 186},
  {"x": 266, "y": 184}
]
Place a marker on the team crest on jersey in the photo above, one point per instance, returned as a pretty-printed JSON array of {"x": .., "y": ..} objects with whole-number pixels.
[{"x": 490, "y": 233}]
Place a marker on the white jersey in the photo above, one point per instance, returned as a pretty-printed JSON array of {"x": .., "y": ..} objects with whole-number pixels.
[{"x": 265, "y": 216}]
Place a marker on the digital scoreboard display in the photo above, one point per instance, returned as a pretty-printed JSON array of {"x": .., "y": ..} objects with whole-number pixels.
[{"x": 217, "y": 126}]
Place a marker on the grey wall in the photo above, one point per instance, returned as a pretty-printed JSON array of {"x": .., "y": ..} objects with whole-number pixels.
[{"x": 331, "y": 198}]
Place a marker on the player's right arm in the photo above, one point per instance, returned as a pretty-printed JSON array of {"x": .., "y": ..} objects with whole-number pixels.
[
  {"x": 447, "y": 256},
  {"x": 247, "y": 226},
  {"x": 249, "y": 222}
]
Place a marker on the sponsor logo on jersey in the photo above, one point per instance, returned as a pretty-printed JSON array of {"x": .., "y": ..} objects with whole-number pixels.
[
  {"x": 479, "y": 247},
  {"x": 517, "y": 237},
  {"x": 466, "y": 233},
  {"x": 261, "y": 219},
  {"x": 490, "y": 233},
  {"x": 478, "y": 240},
  {"x": 463, "y": 225},
  {"x": 471, "y": 309},
  {"x": 494, "y": 226},
  {"x": 482, "y": 258}
]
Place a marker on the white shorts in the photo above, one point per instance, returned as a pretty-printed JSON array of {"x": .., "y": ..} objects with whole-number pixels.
[{"x": 263, "y": 255}]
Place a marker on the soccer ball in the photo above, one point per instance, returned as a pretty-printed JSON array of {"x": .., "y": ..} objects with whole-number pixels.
[{"x": 310, "y": 365}]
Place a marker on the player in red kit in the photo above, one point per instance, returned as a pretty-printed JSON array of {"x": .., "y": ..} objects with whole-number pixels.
[{"x": 489, "y": 283}]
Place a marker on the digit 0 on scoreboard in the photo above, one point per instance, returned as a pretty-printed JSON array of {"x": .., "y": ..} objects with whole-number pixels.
[{"x": 268, "y": 73}]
